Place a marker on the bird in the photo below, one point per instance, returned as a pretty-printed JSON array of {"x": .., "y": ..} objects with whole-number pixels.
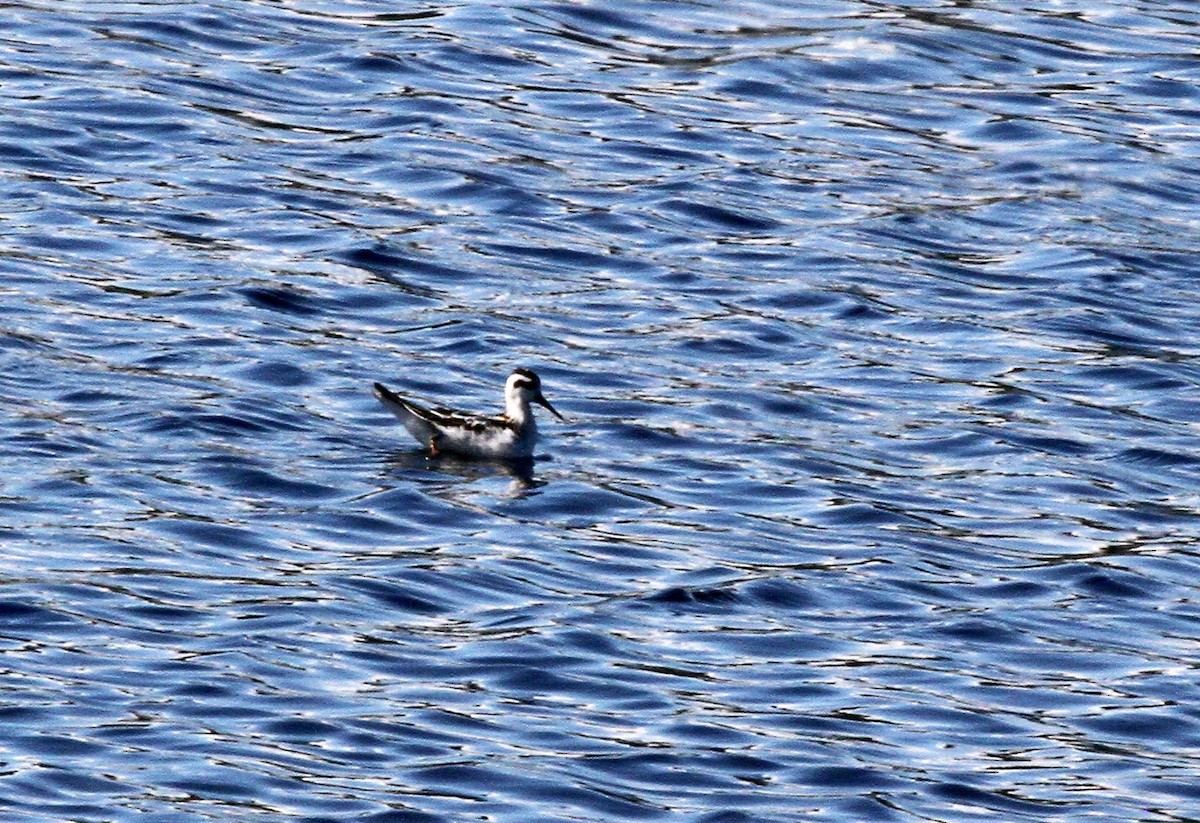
[{"x": 511, "y": 435}]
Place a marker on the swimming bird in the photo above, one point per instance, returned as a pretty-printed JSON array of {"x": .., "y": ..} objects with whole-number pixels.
[{"x": 509, "y": 435}]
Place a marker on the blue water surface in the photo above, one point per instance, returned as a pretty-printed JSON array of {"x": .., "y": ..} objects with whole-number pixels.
[{"x": 875, "y": 325}]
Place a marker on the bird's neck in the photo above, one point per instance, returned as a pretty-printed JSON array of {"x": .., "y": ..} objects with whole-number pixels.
[{"x": 518, "y": 410}]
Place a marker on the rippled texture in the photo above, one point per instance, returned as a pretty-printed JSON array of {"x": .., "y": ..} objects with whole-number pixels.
[{"x": 875, "y": 325}]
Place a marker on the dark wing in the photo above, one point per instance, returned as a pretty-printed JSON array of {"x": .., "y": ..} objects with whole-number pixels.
[{"x": 453, "y": 419}]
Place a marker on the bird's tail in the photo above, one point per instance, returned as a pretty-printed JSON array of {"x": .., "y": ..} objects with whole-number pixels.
[{"x": 405, "y": 413}]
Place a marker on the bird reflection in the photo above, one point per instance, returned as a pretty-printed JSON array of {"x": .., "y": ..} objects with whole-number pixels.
[{"x": 468, "y": 469}]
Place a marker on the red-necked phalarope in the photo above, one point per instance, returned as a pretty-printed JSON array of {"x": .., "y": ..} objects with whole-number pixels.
[{"x": 508, "y": 435}]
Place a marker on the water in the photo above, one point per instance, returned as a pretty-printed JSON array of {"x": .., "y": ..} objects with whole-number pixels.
[{"x": 876, "y": 330}]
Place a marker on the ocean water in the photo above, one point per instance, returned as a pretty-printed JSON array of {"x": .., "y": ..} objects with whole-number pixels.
[{"x": 875, "y": 325}]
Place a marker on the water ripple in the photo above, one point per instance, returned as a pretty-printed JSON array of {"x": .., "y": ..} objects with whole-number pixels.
[{"x": 873, "y": 327}]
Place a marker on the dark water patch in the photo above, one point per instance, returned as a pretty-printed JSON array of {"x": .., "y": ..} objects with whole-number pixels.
[
  {"x": 1016, "y": 591},
  {"x": 668, "y": 154},
  {"x": 1165, "y": 785},
  {"x": 72, "y": 781},
  {"x": 193, "y": 31},
  {"x": 301, "y": 729},
  {"x": 1007, "y": 130},
  {"x": 1113, "y": 585},
  {"x": 708, "y": 734},
  {"x": 387, "y": 262},
  {"x": 859, "y": 310},
  {"x": 1106, "y": 331},
  {"x": 256, "y": 482},
  {"x": 283, "y": 375},
  {"x": 57, "y": 746},
  {"x": 1152, "y": 728},
  {"x": 159, "y": 614},
  {"x": 360, "y": 528},
  {"x": 685, "y": 596},
  {"x": 979, "y": 631},
  {"x": 847, "y": 777},
  {"x": 1157, "y": 457},
  {"x": 558, "y": 255},
  {"x": 413, "y": 596},
  {"x": 848, "y": 513},
  {"x": 1137, "y": 377},
  {"x": 231, "y": 790},
  {"x": 721, "y": 216},
  {"x": 790, "y": 595},
  {"x": 533, "y": 680},
  {"x": 646, "y": 437},
  {"x": 16, "y": 615},
  {"x": 972, "y": 797},
  {"x": 727, "y": 347},
  {"x": 288, "y": 301},
  {"x": 93, "y": 397},
  {"x": 1050, "y": 444},
  {"x": 18, "y": 715},
  {"x": 183, "y": 424},
  {"x": 214, "y": 535},
  {"x": 394, "y": 816},
  {"x": 370, "y": 64}
]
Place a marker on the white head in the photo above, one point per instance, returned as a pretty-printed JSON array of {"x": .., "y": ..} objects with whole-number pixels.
[{"x": 524, "y": 387}]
